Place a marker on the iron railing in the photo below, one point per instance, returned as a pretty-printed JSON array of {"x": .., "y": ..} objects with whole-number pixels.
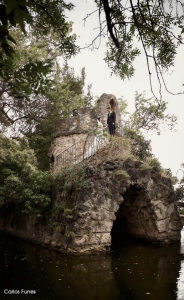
[
  {"x": 80, "y": 151},
  {"x": 83, "y": 149},
  {"x": 70, "y": 155}
]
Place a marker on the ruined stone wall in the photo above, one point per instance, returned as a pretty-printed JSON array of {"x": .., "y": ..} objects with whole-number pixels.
[
  {"x": 71, "y": 133},
  {"x": 82, "y": 123},
  {"x": 75, "y": 130}
]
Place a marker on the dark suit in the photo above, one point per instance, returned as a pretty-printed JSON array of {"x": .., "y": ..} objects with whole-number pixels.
[{"x": 111, "y": 120}]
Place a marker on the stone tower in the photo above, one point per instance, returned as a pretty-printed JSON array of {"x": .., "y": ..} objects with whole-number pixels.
[
  {"x": 70, "y": 134},
  {"x": 105, "y": 101}
]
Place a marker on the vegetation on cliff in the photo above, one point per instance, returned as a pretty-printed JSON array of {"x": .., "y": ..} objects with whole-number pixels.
[{"x": 35, "y": 91}]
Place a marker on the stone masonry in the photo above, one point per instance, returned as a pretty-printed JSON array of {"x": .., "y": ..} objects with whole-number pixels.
[{"x": 76, "y": 130}]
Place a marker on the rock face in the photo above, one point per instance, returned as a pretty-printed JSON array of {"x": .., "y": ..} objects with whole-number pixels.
[
  {"x": 141, "y": 205},
  {"x": 118, "y": 198}
]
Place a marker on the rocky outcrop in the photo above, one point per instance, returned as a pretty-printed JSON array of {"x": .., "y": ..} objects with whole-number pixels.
[
  {"x": 122, "y": 197},
  {"x": 117, "y": 198}
]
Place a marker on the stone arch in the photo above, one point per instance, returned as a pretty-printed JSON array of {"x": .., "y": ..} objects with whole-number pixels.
[
  {"x": 141, "y": 217},
  {"x": 132, "y": 217},
  {"x": 105, "y": 101},
  {"x": 112, "y": 104}
]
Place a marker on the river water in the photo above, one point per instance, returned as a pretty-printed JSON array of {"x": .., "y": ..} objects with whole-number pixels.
[{"x": 134, "y": 272}]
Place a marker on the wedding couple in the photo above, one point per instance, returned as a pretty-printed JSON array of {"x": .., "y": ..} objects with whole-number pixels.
[{"x": 111, "y": 121}]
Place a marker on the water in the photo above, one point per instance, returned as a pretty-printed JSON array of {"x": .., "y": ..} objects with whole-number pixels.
[{"x": 135, "y": 272}]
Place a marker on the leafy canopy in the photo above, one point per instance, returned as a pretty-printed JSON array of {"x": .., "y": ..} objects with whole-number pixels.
[
  {"x": 154, "y": 28},
  {"x": 44, "y": 17},
  {"x": 21, "y": 182},
  {"x": 148, "y": 116}
]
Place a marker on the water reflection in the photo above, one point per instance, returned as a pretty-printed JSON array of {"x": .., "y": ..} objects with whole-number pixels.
[
  {"x": 135, "y": 272},
  {"x": 180, "y": 280},
  {"x": 148, "y": 272}
]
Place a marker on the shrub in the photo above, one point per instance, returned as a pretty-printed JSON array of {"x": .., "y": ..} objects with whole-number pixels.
[
  {"x": 121, "y": 174},
  {"x": 21, "y": 182},
  {"x": 153, "y": 162},
  {"x": 73, "y": 177},
  {"x": 118, "y": 148}
]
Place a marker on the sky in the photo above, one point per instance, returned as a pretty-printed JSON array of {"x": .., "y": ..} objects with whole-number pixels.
[{"x": 168, "y": 147}]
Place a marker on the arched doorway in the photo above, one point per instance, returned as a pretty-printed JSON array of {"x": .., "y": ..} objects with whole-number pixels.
[
  {"x": 112, "y": 104},
  {"x": 132, "y": 218}
]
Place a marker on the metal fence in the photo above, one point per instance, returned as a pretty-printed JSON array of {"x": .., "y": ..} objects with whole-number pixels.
[
  {"x": 83, "y": 149},
  {"x": 69, "y": 156},
  {"x": 80, "y": 151}
]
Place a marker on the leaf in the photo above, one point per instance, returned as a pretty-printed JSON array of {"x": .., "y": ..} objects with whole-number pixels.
[
  {"x": 9, "y": 37},
  {"x": 3, "y": 30},
  {"x": 18, "y": 18},
  {"x": 10, "y": 6},
  {"x": 25, "y": 14},
  {"x": 27, "y": 3},
  {"x": 3, "y": 14}
]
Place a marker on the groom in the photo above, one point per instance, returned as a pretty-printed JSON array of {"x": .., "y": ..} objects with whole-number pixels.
[{"x": 111, "y": 120}]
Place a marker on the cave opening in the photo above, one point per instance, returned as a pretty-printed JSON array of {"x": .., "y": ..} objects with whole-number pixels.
[{"x": 130, "y": 217}]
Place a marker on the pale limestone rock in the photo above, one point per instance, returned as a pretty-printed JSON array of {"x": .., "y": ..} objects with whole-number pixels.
[{"x": 145, "y": 209}]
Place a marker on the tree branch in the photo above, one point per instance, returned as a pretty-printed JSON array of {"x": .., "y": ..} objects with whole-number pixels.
[{"x": 107, "y": 10}]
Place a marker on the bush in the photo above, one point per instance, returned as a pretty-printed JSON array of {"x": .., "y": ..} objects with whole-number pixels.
[
  {"x": 153, "y": 162},
  {"x": 118, "y": 148},
  {"x": 21, "y": 182},
  {"x": 73, "y": 177},
  {"x": 121, "y": 174}
]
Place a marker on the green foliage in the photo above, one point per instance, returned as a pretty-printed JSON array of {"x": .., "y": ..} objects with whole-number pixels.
[
  {"x": 21, "y": 182},
  {"x": 122, "y": 106},
  {"x": 152, "y": 28},
  {"x": 121, "y": 175},
  {"x": 181, "y": 211},
  {"x": 120, "y": 61},
  {"x": 67, "y": 94},
  {"x": 31, "y": 103},
  {"x": 27, "y": 58},
  {"x": 58, "y": 221},
  {"x": 155, "y": 29},
  {"x": 153, "y": 162},
  {"x": 168, "y": 173},
  {"x": 24, "y": 82},
  {"x": 68, "y": 89},
  {"x": 140, "y": 147},
  {"x": 44, "y": 17},
  {"x": 179, "y": 192},
  {"x": 149, "y": 114},
  {"x": 71, "y": 179},
  {"x": 118, "y": 148},
  {"x": 67, "y": 213}
]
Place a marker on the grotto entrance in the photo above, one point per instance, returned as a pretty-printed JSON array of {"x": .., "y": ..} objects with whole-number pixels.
[{"x": 131, "y": 217}]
